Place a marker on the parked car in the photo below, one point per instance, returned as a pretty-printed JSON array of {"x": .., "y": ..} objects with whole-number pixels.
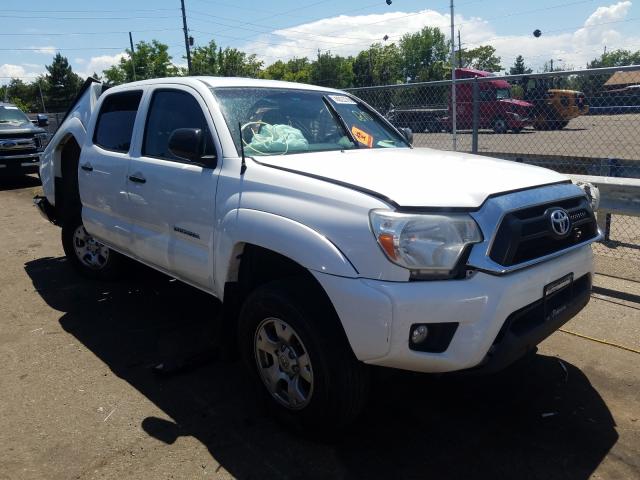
[
  {"x": 21, "y": 142},
  {"x": 332, "y": 243},
  {"x": 497, "y": 109}
]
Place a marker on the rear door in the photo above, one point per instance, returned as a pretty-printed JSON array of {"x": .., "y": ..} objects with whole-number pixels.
[
  {"x": 172, "y": 200},
  {"x": 103, "y": 167}
]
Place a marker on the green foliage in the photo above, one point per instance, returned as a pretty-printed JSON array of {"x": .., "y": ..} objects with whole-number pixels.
[
  {"x": 295, "y": 70},
  {"x": 152, "y": 60},
  {"x": 379, "y": 65},
  {"x": 519, "y": 67},
  {"x": 616, "y": 58},
  {"x": 332, "y": 70},
  {"x": 204, "y": 60},
  {"x": 235, "y": 63},
  {"x": 481, "y": 58},
  {"x": 60, "y": 85},
  {"x": 424, "y": 55}
]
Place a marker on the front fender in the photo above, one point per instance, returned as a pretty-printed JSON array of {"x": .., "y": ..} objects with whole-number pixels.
[{"x": 287, "y": 237}]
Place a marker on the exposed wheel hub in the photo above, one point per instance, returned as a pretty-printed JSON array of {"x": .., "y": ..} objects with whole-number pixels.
[{"x": 89, "y": 251}]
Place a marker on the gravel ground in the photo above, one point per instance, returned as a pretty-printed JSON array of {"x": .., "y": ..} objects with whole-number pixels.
[
  {"x": 597, "y": 136},
  {"x": 79, "y": 399}
]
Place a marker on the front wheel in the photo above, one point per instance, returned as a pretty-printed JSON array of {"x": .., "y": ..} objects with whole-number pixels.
[
  {"x": 500, "y": 125},
  {"x": 89, "y": 257},
  {"x": 299, "y": 357}
]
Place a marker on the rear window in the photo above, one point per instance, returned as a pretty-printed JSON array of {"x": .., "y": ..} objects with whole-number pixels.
[{"x": 114, "y": 127}]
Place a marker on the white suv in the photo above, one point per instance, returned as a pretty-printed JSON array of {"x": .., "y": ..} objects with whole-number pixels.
[{"x": 332, "y": 243}]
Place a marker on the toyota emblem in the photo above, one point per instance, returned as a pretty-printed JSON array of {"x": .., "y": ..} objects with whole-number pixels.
[{"x": 560, "y": 222}]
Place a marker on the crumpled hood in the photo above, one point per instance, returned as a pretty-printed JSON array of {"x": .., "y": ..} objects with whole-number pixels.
[{"x": 419, "y": 177}]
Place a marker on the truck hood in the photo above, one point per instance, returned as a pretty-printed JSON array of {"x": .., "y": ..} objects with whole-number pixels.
[
  {"x": 19, "y": 128},
  {"x": 519, "y": 103},
  {"x": 419, "y": 177}
]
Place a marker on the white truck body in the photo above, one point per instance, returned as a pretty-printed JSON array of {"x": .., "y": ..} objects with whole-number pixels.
[{"x": 193, "y": 222}]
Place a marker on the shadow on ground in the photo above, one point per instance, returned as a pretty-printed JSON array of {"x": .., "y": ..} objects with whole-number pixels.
[
  {"x": 16, "y": 182},
  {"x": 537, "y": 420}
]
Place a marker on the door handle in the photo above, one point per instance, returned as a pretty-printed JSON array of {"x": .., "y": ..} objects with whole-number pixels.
[
  {"x": 86, "y": 167},
  {"x": 137, "y": 178}
]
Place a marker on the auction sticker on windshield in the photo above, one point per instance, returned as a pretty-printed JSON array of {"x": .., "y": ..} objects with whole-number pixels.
[
  {"x": 342, "y": 99},
  {"x": 362, "y": 136}
]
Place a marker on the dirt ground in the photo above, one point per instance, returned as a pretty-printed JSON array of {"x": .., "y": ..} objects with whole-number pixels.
[{"x": 79, "y": 398}]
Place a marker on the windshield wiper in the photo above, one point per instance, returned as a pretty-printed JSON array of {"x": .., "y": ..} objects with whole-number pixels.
[{"x": 340, "y": 120}]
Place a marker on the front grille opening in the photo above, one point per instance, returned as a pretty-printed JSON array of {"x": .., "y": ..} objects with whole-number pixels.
[{"x": 526, "y": 234}]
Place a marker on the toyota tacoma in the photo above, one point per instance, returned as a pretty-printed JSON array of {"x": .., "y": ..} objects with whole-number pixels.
[{"x": 333, "y": 244}]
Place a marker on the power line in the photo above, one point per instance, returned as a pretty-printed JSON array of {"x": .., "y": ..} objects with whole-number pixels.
[{"x": 123, "y": 32}]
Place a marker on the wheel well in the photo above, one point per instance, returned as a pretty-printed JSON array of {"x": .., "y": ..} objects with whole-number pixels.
[
  {"x": 66, "y": 188},
  {"x": 259, "y": 266}
]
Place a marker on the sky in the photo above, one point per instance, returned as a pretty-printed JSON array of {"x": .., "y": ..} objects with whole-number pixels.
[{"x": 93, "y": 35}]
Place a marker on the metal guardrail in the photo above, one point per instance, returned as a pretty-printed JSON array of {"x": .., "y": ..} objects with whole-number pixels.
[{"x": 619, "y": 197}]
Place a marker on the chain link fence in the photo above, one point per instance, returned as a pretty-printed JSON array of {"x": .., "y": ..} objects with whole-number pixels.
[{"x": 577, "y": 122}]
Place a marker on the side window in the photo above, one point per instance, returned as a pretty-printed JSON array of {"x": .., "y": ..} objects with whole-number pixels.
[
  {"x": 115, "y": 121},
  {"x": 170, "y": 110}
]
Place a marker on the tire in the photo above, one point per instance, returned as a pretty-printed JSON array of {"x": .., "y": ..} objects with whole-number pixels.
[
  {"x": 298, "y": 356},
  {"x": 499, "y": 125},
  {"x": 87, "y": 256}
]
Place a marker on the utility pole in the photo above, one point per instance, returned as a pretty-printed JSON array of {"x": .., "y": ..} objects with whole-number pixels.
[
  {"x": 44, "y": 108},
  {"x": 459, "y": 50},
  {"x": 133, "y": 62},
  {"x": 186, "y": 36},
  {"x": 453, "y": 81}
]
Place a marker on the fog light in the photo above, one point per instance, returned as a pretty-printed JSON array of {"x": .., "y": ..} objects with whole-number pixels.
[{"x": 419, "y": 334}]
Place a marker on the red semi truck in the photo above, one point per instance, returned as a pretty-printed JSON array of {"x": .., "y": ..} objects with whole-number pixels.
[{"x": 498, "y": 111}]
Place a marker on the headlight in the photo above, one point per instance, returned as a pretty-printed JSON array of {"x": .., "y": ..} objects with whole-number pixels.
[{"x": 430, "y": 245}]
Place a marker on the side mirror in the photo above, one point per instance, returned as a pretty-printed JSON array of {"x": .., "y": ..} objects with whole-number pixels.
[
  {"x": 43, "y": 120},
  {"x": 408, "y": 134},
  {"x": 187, "y": 144}
]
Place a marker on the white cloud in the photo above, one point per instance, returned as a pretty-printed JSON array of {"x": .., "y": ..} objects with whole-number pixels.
[
  {"x": 26, "y": 72},
  {"x": 347, "y": 35},
  {"x": 47, "y": 50},
  {"x": 99, "y": 63}
]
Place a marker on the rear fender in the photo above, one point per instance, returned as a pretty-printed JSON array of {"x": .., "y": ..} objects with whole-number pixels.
[{"x": 74, "y": 125}]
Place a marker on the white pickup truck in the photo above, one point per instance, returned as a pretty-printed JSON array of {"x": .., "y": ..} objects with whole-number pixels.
[{"x": 332, "y": 243}]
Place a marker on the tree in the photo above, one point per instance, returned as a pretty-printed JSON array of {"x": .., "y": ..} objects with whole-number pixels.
[
  {"x": 152, "y": 60},
  {"x": 236, "y": 63},
  {"x": 204, "y": 60},
  {"x": 60, "y": 85},
  {"x": 294, "y": 70},
  {"x": 481, "y": 58},
  {"x": 424, "y": 55},
  {"x": 332, "y": 70},
  {"x": 519, "y": 67},
  {"x": 379, "y": 65},
  {"x": 615, "y": 58},
  {"x": 24, "y": 95}
]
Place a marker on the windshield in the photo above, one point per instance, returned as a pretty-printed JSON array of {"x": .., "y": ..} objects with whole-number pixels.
[
  {"x": 11, "y": 114},
  {"x": 502, "y": 93},
  {"x": 278, "y": 121}
]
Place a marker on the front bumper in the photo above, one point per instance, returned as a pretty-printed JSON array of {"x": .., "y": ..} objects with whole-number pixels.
[
  {"x": 377, "y": 315},
  {"x": 17, "y": 164}
]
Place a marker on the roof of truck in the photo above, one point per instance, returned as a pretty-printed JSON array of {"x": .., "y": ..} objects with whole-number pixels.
[{"x": 215, "y": 82}]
